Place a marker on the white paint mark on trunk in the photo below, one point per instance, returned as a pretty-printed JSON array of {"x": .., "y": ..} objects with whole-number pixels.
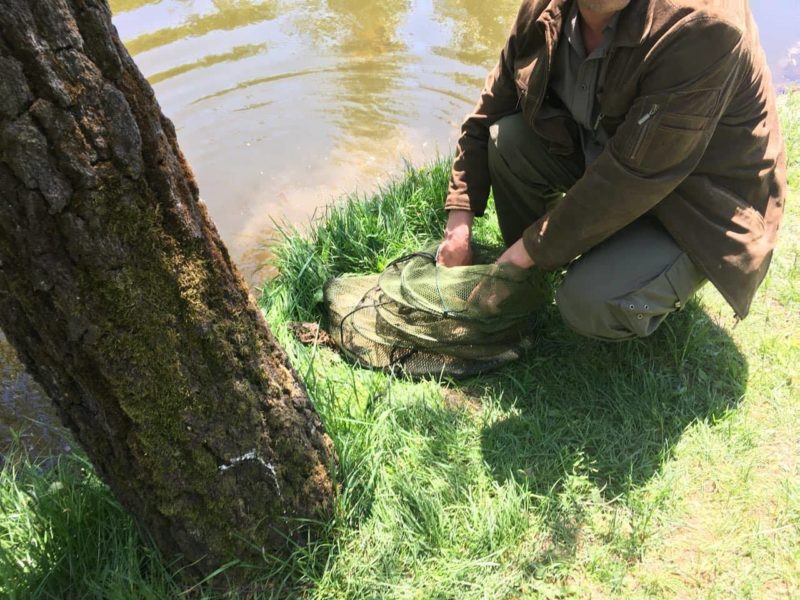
[{"x": 252, "y": 455}]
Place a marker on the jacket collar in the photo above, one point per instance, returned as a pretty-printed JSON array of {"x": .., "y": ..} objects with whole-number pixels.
[
  {"x": 632, "y": 29},
  {"x": 635, "y": 23}
]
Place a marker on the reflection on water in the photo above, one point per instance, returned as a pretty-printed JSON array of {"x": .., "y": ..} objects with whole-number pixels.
[
  {"x": 237, "y": 53},
  {"x": 780, "y": 36},
  {"x": 226, "y": 15},
  {"x": 121, "y": 6},
  {"x": 283, "y": 105},
  {"x": 476, "y": 33}
]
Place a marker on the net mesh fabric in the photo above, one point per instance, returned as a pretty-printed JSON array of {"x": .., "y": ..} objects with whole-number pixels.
[{"x": 432, "y": 320}]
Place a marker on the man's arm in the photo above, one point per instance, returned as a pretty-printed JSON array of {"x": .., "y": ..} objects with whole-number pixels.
[
  {"x": 469, "y": 181},
  {"x": 684, "y": 93}
]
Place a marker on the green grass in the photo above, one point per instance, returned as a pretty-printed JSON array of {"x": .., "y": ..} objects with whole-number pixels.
[
  {"x": 666, "y": 467},
  {"x": 62, "y": 535}
]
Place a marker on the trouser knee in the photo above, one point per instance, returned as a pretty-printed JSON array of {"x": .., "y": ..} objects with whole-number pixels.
[
  {"x": 635, "y": 313},
  {"x": 625, "y": 287},
  {"x": 603, "y": 319}
]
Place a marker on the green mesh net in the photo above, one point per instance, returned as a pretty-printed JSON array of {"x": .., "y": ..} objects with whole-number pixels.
[{"x": 431, "y": 320}]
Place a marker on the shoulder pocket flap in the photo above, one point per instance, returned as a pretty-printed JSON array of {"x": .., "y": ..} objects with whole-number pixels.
[
  {"x": 687, "y": 122},
  {"x": 699, "y": 103}
]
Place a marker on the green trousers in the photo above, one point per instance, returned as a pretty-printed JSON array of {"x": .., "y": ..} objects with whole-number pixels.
[{"x": 622, "y": 288}]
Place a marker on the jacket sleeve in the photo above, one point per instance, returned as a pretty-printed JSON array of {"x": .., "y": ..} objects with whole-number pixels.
[
  {"x": 469, "y": 181},
  {"x": 684, "y": 90}
]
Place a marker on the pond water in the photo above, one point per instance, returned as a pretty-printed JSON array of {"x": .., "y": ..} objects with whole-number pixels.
[{"x": 281, "y": 106}]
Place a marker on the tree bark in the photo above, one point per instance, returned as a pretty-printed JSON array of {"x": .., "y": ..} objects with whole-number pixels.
[{"x": 122, "y": 301}]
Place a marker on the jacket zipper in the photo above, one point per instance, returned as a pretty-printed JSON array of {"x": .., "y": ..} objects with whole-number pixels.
[
  {"x": 648, "y": 116},
  {"x": 644, "y": 127}
]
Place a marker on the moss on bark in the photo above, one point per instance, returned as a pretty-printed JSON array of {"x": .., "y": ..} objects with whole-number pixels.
[{"x": 121, "y": 299}]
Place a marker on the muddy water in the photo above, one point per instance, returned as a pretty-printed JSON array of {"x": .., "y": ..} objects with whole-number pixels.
[{"x": 283, "y": 105}]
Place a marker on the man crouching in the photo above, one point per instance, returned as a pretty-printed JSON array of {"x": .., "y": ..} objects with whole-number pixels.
[{"x": 635, "y": 142}]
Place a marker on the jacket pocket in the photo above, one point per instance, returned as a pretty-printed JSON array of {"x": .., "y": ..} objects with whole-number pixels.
[
  {"x": 637, "y": 130},
  {"x": 644, "y": 133},
  {"x": 670, "y": 128},
  {"x": 556, "y": 125},
  {"x": 672, "y": 146}
]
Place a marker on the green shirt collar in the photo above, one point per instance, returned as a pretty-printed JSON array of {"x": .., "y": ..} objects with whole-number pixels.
[{"x": 572, "y": 32}]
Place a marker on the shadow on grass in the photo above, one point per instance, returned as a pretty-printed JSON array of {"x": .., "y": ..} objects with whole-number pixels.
[{"x": 610, "y": 411}]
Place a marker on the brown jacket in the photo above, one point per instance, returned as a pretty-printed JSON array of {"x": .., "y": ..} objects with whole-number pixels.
[{"x": 687, "y": 100}]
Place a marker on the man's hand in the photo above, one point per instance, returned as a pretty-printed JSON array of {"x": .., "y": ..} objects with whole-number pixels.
[
  {"x": 489, "y": 294},
  {"x": 516, "y": 255},
  {"x": 492, "y": 291},
  {"x": 455, "y": 250}
]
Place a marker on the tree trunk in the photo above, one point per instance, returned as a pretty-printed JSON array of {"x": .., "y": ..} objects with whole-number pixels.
[{"x": 122, "y": 301}]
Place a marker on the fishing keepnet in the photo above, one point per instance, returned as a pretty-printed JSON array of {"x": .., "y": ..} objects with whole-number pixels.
[{"x": 431, "y": 320}]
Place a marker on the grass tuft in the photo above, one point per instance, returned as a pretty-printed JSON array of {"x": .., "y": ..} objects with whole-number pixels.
[{"x": 62, "y": 535}]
